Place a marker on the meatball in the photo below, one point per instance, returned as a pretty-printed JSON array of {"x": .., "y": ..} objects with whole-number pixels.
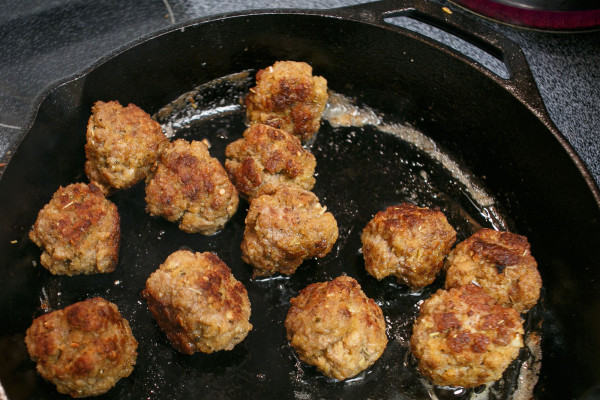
[
  {"x": 409, "y": 242},
  {"x": 78, "y": 231},
  {"x": 189, "y": 186},
  {"x": 336, "y": 327},
  {"x": 284, "y": 228},
  {"x": 267, "y": 157},
  {"x": 84, "y": 349},
  {"x": 463, "y": 338},
  {"x": 198, "y": 303},
  {"x": 288, "y": 97},
  {"x": 122, "y": 145},
  {"x": 501, "y": 263}
]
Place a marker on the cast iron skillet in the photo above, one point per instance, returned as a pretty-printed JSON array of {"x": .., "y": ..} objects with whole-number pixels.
[{"x": 495, "y": 128}]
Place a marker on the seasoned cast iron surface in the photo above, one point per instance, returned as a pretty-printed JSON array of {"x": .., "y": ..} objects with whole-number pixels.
[{"x": 360, "y": 171}]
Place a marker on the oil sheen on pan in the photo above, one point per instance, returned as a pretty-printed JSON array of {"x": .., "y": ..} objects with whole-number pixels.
[{"x": 366, "y": 161}]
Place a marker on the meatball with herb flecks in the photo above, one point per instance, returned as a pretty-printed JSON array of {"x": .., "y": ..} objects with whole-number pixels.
[
  {"x": 78, "y": 231},
  {"x": 122, "y": 145},
  {"x": 267, "y": 157},
  {"x": 84, "y": 349},
  {"x": 284, "y": 228},
  {"x": 198, "y": 303},
  {"x": 463, "y": 338},
  {"x": 408, "y": 242},
  {"x": 287, "y": 96},
  {"x": 334, "y": 326},
  {"x": 190, "y": 187},
  {"x": 501, "y": 263}
]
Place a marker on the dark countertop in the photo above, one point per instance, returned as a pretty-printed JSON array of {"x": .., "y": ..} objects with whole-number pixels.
[{"x": 45, "y": 41}]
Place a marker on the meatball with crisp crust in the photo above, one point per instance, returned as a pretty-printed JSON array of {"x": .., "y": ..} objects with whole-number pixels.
[
  {"x": 267, "y": 157},
  {"x": 285, "y": 228},
  {"x": 336, "y": 327},
  {"x": 78, "y": 231},
  {"x": 122, "y": 145},
  {"x": 501, "y": 263},
  {"x": 409, "y": 242},
  {"x": 463, "y": 338},
  {"x": 190, "y": 187},
  {"x": 198, "y": 303},
  {"x": 287, "y": 96},
  {"x": 84, "y": 349}
]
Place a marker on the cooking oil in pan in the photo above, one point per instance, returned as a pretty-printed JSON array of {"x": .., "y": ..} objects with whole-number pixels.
[{"x": 365, "y": 163}]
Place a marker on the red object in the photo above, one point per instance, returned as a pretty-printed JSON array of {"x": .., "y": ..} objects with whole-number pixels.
[{"x": 534, "y": 17}]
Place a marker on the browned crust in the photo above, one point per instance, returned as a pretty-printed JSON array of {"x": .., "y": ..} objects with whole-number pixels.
[
  {"x": 409, "y": 242},
  {"x": 191, "y": 187},
  {"x": 336, "y": 327},
  {"x": 288, "y": 97},
  {"x": 198, "y": 303},
  {"x": 463, "y": 338},
  {"x": 501, "y": 263},
  {"x": 83, "y": 349},
  {"x": 122, "y": 145},
  {"x": 79, "y": 231},
  {"x": 284, "y": 228},
  {"x": 267, "y": 157}
]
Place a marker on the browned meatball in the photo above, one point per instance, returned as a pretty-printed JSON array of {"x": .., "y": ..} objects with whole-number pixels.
[
  {"x": 285, "y": 228},
  {"x": 288, "y": 97},
  {"x": 501, "y": 263},
  {"x": 267, "y": 157},
  {"x": 198, "y": 303},
  {"x": 463, "y": 338},
  {"x": 78, "y": 231},
  {"x": 336, "y": 327},
  {"x": 189, "y": 186},
  {"x": 122, "y": 145},
  {"x": 84, "y": 349},
  {"x": 409, "y": 242}
]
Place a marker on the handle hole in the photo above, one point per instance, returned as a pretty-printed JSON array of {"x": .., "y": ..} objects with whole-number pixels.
[{"x": 475, "y": 53}]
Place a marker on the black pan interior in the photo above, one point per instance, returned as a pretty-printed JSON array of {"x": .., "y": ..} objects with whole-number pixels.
[{"x": 537, "y": 187}]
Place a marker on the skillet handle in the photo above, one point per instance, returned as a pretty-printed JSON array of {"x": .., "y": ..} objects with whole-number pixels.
[{"x": 520, "y": 81}]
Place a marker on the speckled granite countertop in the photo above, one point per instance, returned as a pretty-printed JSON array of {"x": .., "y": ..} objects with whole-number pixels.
[{"x": 45, "y": 41}]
